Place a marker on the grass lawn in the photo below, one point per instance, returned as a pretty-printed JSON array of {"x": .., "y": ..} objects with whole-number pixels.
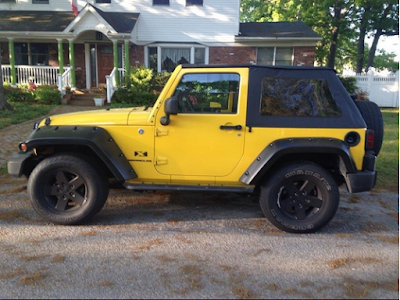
[
  {"x": 388, "y": 159},
  {"x": 23, "y": 112}
]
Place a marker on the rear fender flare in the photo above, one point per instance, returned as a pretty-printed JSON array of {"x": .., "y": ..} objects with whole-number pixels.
[{"x": 279, "y": 148}]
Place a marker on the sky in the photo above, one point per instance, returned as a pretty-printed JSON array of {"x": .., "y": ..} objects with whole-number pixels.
[{"x": 389, "y": 44}]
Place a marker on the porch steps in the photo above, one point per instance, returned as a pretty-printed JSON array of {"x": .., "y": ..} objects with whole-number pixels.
[{"x": 84, "y": 97}]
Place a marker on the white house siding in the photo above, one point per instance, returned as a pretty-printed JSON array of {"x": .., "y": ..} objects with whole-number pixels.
[{"x": 217, "y": 19}]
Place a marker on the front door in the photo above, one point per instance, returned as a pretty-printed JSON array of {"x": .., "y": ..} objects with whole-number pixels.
[
  {"x": 206, "y": 137},
  {"x": 105, "y": 61}
]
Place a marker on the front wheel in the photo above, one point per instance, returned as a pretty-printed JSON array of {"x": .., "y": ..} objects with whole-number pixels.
[
  {"x": 66, "y": 189},
  {"x": 299, "y": 198}
]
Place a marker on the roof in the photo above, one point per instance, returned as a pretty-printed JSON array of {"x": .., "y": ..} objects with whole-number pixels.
[
  {"x": 16, "y": 20},
  {"x": 57, "y": 21},
  {"x": 276, "y": 30},
  {"x": 122, "y": 22}
]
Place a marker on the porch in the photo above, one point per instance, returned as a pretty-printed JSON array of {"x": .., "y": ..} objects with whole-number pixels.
[
  {"x": 48, "y": 75},
  {"x": 81, "y": 51}
]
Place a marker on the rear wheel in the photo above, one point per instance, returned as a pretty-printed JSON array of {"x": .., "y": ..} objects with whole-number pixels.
[
  {"x": 299, "y": 198},
  {"x": 373, "y": 118},
  {"x": 65, "y": 189}
]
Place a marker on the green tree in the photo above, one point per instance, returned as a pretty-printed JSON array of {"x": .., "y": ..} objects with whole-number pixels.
[
  {"x": 342, "y": 24},
  {"x": 384, "y": 60},
  {"x": 362, "y": 21},
  {"x": 4, "y": 105},
  {"x": 384, "y": 23}
]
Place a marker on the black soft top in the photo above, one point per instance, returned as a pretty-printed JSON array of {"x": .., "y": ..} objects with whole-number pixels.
[
  {"x": 350, "y": 115},
  {"x": 298, "y": 68}
]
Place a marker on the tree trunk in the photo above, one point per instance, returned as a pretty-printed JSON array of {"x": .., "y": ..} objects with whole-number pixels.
[
  {"x": 379, "y": 31},
  {"x": 335, "y": 34},
  {"x": 361, "y": 39},
  {"x": 372, "y": 51}
]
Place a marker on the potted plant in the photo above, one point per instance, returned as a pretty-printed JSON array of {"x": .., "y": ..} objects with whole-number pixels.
[{"x": 68, "y": 95}]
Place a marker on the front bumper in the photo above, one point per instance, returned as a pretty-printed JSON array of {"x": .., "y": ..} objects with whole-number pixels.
[{"x": 15, "y": 165}]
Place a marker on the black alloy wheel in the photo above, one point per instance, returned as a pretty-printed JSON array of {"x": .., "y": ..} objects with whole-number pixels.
[
  {"x": 299, "y": 197},
  {"x": 67, "y": 189}
]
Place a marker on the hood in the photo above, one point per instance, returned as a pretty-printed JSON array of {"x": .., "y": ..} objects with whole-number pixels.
[{"x": 103, "y": 117}]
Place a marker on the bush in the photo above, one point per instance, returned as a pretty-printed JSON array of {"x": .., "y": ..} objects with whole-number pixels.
[
  {"x": 159, "y": 80},
  {"x": 143, "y": 87},
  {"x": 141, "y": 79},
  {"x": 47, "y": 94},
  {"x": 127, "y": 96},
  {"x": 349, "y": 84},
  {"x": 18, "y": 94}
]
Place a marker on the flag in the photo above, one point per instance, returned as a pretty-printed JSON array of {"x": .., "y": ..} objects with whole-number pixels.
[{"x": 74, "y": 6}]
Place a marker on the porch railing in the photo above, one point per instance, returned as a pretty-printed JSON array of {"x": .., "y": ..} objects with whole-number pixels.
[
  {"x": 111, "y": 83},
  {"x": 37, "y": 74},
  {"x": 64, "y": 80},
  {"x": 6, "y": 72}
]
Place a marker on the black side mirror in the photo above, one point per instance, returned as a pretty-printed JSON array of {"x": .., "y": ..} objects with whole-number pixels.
[{"x": 170, "y": 108}]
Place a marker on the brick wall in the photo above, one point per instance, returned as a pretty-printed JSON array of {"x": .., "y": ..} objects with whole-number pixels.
[
  {"x": 304, "y": 56},
  {"x": 136, "y": 55},
  {"x": 232, "y": 55}
]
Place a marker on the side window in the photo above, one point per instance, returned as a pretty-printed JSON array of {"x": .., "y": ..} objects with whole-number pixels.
[
  {"x": 160, "y": 2},
  {"x": 292, "y": 97},
  {"x": 194, "y": 2},
  {"x": 210, "y": 93}
]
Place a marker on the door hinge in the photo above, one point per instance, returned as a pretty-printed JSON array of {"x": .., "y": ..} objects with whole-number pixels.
[
  {"x": 161, "y": 160},
  {"x": 161, "y": 132}
]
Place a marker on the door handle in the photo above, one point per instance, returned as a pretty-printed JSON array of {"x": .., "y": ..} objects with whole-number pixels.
[{"x": 233, "y": 127}]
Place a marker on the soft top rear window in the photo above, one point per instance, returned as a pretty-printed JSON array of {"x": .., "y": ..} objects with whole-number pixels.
[{"x": 297, "y": 97}]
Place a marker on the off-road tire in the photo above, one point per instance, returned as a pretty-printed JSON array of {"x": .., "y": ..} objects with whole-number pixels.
[
  {"x": 66, "y": 189},
  {"x": 373, "y": 118},
  {"x": 299, "y": 197}
]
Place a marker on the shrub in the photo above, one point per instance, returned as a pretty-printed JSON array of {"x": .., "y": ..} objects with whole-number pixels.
[
  {"x": 122, "y": 95},
  {"x": 18, "y": 94},
  {"x": 349, "y": 84},
  {"x": 141, "y": 79},
  {"x": 135, "y": 98},
  {"x": 47, "y": 94},
  {"x": 159, "y": 80}
]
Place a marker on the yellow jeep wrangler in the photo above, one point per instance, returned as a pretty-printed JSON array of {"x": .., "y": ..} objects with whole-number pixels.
[{"x": 291, "y": 133}]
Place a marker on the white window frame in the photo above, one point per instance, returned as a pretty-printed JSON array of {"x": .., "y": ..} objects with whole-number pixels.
[
  {"x": 187, "y": 46},
  {"x": 274, "y": 58}
]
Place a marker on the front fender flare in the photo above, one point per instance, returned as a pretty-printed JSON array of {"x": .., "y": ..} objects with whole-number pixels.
[
  {"x": 96, "y": 138},
  {"x": 277, "y": 149}
]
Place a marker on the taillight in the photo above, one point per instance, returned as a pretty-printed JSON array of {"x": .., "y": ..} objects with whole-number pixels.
[{"x": 369, "y": 145}]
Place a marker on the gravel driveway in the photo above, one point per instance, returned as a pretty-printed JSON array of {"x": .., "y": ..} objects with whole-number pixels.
[{"x": 204, "y": 245}]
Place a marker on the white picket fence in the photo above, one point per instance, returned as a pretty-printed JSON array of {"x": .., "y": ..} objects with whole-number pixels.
[{"x": 383, "y": 89}]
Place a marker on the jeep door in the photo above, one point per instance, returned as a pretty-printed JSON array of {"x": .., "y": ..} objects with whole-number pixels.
[{"x": 206, "y": 137}]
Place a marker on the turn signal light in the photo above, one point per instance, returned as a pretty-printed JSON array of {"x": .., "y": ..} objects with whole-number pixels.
[
  {"x": 370, "y": 139},
  {"x": 23, "y": 147}
]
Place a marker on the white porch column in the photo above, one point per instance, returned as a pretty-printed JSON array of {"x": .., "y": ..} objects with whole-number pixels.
[
  {"x": 146, "y": 56},
  {"x": 159, "y": 59},
  {"x": 87, "y": 66},
  {"x": 207, "y": 56},
  {"x": 192, "y": 54}
]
